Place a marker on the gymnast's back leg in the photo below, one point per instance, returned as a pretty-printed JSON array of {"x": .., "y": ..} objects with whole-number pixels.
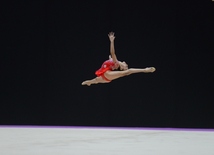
[{"x": 112, "y": 75}]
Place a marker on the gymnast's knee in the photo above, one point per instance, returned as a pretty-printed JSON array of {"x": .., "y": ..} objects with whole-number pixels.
[
  {"x": 99, "y": 79},
  {"x": 96, "y": 80},
  {"x": 126, "y": 72}
]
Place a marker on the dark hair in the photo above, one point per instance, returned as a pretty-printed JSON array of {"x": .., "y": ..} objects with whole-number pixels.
[{"x": 118, "y": 69}]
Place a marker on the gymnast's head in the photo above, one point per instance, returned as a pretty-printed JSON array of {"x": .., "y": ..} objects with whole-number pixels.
[
  {"x": 123, "y": 65},
  {"x": 120, "y": 65}
]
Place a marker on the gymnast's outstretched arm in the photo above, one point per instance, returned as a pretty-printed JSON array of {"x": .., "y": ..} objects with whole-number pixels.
[{"x": 112, "y": 50}]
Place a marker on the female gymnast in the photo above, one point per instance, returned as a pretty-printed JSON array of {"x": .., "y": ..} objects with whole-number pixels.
[{"x": 109, "y": 69}]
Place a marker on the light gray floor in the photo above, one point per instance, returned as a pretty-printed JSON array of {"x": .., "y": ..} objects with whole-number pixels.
[{"x": 104, "y": 141}]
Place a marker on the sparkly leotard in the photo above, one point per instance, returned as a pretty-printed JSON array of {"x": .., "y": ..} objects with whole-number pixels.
[{"x": 107, "y": 65}]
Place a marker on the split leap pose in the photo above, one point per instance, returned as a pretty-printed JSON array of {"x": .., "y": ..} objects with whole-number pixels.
[{"x": 109, "y": 69}]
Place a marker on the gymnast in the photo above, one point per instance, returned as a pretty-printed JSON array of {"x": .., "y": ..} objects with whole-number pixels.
[{"x": 113, "y": 69}]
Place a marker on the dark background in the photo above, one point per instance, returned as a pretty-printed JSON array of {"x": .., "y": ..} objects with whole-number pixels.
[{"x": 50, "y": 47}]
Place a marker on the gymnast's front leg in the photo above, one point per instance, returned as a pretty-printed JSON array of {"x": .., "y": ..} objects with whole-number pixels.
[{"x": 94, "y": 81}]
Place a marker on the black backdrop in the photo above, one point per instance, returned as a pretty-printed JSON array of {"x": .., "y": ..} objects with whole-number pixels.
[{"x": 50, "y": 47}]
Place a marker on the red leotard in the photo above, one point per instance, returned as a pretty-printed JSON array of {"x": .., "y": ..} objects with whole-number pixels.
[{"x": 107, "y": 65}]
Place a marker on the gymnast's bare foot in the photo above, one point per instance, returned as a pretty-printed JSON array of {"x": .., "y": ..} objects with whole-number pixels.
[
  {"x": 150, "y": 69},
  {"x": 88, "y": 83}
]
